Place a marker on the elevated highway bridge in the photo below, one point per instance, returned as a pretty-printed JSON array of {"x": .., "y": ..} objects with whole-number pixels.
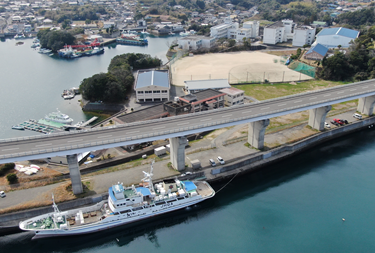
[{"x": 257, "y": 114}]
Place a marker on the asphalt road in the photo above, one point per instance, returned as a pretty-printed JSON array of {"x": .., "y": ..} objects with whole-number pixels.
[{"x": 138, "y": 132}]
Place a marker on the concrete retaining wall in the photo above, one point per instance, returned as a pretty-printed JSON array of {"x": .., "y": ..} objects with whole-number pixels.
[{"x": 285, "y": 151}]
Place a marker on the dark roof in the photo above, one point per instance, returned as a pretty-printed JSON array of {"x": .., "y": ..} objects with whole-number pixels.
[
  {"x": 275, "y": 25},
  {"x": 152, "y": 112},
  {"x": 318, "y": 48},
  {"x": 202, "y": 96}
]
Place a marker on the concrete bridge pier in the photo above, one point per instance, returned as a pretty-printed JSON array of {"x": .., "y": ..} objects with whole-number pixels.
[
  {"x": 318, "y": 117},
  {"x": 366, "y": 105},
  {"x": 177, "y": 152},
  {"x": 75, "y": 175},
  {"x": 256, "y": 133}
]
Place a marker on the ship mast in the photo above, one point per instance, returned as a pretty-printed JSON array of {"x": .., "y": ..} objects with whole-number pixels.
[
  {"x": 148, "y": 178},
  {"x": 55, "y": 208}
]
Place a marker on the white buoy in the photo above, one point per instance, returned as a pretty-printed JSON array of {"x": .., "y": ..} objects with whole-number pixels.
[{"x": 343, "y": 219}]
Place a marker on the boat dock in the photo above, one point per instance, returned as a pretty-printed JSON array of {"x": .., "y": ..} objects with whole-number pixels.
[
  {"x": 33, "y": 125},
  {"x": 89, "y": 121}
]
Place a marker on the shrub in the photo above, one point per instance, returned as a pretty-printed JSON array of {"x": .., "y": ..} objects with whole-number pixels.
[
  {"x": 12, "y": 178},
  {"x": 5, "y": 168}
]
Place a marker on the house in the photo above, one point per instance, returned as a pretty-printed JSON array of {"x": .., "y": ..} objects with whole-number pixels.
[
  {"x": 108, "y": 25},
  {"x": 233, "y": 96},
  {"x": 333, "y": 37},
  {"x": 316, "y": 52},
  {"x": 152, "y": 86},
  {"x": 199, "y": 85},
  {"x": 303, "y": 35},
  {"x": 203, "y": 100}
]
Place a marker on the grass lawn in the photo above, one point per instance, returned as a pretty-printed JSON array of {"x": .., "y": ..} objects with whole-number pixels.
[{"x": 268, "y": 91}]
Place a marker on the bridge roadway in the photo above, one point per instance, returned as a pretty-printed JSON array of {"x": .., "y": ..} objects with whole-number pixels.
[{"x": 74, "y": 142}]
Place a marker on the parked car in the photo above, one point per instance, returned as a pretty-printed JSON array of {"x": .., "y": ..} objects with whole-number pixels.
[
  {"x": 334, "y": 123},
  {"x": 327, "y": 125},
  {"x": 344, "y": 121},
  {"x": 221, "y": 160},
  {"x": 2, "y": 194},
  {"x": 212, "y": 162},
  {"x": 357, "y": 116},
  {"x": 338, "y": 122}
]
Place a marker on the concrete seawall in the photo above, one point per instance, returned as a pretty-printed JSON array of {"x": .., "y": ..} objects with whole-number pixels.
[
  {"x": 254, "y": 162},
  {"x": 248, "y": 164}
]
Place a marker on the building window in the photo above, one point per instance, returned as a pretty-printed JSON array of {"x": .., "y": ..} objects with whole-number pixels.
[
  {"x": 140, "y": 92},
  {"x": 164, "y": 91},
  {"x": 156, "y": 91},
  {"x": 148, "y": 91}
]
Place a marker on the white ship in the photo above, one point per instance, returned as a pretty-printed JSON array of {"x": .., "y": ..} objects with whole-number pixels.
[
  {"x": 58, "y": 117},
  {"x": 125, "y": 205}
]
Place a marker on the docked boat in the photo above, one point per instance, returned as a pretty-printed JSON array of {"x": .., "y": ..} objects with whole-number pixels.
[
  {"x": 44, "y": 51},
  {"x": 35, "y": 45},
  {"x": 19, "y": 36},
  {"x": 58, "y": 117},
  {"x": 131, "y": 39},
  {"x": 18, "y": 127},
  {"x": 125, "y": 205}
]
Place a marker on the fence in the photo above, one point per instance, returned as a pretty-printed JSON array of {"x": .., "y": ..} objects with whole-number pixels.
[{"x": 303, "y": 68}]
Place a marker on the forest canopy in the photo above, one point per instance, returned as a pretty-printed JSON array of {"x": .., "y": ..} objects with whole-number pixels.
[
  {"x": 55, "y": 40},
  {"x": 111, "y": 87}
]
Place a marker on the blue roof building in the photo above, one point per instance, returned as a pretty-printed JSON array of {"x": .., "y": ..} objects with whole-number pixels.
[
  {"x": 316, "y": 52},
  {"x": 332, "y": 37},
  {"x": 152, "y": 86}
]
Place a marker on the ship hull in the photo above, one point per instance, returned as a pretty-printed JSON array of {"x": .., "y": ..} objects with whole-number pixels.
[{"x": 101, "y": 226}]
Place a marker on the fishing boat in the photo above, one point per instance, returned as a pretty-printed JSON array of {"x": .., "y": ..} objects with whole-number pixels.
[
  {"x": 131, "y": 39},
  {"x": 58, "y": 117},
  {"x": 125, "y": 205},
  {"x": 44, "y": 51},
  {"x": 19, "y": 36}
]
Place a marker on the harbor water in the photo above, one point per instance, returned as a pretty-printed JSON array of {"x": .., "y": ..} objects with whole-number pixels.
[
  {"x": 321, "y": 200},
  {"x": 32, "y": 83}
]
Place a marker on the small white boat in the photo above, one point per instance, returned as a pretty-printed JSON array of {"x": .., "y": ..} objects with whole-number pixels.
[
  {"x": 58, "y": 117},
  {"x": 18, "y": 127},
  {"x": 44, "y": 51}
]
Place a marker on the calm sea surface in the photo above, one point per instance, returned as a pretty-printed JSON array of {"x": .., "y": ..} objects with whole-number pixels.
[
  {"x": 31, "y": 83},
  {"x": 294, "y": 206}
]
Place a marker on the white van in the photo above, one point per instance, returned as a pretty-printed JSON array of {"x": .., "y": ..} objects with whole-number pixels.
[{"x": 357, "y": 116}]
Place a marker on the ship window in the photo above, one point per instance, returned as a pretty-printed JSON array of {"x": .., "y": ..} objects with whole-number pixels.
[
  {"x": 173, "y": 200},
  {"x": 127, "y": 199},
  {"x": 137, "y": 208},
  {"x": 179, "y": 198},
  {"x": 126, "y": 211},
  {"x": 133, "y": 199},
  {"x": 160, "y": 203}
]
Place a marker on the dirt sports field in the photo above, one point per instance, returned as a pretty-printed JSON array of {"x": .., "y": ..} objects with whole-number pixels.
[{"x": 237, "y": 67}]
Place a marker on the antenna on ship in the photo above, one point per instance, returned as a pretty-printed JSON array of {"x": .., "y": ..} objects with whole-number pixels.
[
  {"x": 55, "y": 208},
  {"x": 148, "y": 177}
]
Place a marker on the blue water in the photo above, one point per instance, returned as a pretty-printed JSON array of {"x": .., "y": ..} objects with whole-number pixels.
[
  {"x": 293, "y": 206},
  {"x": 31, "y": 83}
]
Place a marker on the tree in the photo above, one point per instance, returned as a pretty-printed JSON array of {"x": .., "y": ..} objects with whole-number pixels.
[
  {"x": 12, "y": 178},
  {"x": 232, "y": 43},
  {"x": 88, "y": 21},
  {"x": 201, "y": 4},
  {"x": 55, "y": 40},
  {"x": 6, "y": 167}
]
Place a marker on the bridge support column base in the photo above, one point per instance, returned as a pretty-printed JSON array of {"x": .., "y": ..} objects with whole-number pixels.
[
  {"x": 366, "y": 105},
  {"x": 75, "y": 175},
  {"x": 317, "y": 117},
  {"x": 256, "y": 133},
  {"x": 178, "y": 152}
]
